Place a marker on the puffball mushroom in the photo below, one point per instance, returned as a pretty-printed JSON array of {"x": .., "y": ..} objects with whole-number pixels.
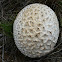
[{"x": 36, "y": 30}]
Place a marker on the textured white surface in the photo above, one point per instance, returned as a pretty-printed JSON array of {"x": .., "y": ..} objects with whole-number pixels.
[{"x": 36, "y": 30}]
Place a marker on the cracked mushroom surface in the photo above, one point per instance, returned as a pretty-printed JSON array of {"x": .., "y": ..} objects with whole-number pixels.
[{"x": 36, "y": 30}]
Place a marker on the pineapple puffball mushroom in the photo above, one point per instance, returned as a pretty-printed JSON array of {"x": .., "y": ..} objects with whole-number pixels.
[{"x": 36, "y": 30}]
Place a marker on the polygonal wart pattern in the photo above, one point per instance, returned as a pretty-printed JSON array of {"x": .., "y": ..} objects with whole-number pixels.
[{"x": 36, "y": 30}]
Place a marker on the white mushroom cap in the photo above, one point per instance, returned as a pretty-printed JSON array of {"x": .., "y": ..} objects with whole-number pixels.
[{"x": 36, "y": 30}]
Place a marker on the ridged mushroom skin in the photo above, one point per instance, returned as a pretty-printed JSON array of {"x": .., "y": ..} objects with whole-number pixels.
[{"x": 36, "y": 30}]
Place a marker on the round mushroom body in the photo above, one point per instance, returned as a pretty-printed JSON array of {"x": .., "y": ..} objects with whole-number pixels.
[{"x": 36, "y": 30}]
